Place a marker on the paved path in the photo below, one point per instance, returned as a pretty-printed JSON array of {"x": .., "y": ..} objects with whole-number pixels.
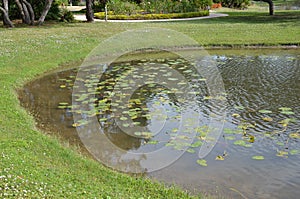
[{"x": 211, "y": 15}]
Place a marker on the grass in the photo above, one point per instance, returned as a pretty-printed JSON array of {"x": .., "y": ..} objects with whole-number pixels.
[{"x": 34, "y": 164}]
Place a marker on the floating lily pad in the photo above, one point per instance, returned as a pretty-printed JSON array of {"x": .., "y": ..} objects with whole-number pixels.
[
  {"x": 230, "y": 138},
  {"x": 294, "y": 135},
  {"x": 294, "y": 152},
  {"x": 267, "y": 119},
  {"x": 189, "y": 150},
  {"x": 123, "y": 118},
  {"x": 62, "y": 107},
  {"x": 265, "y": 111},
  {"x": 242, "y": 143},
  {"x": 285, "y": 109},
  {"x": 153, "y": 142},
  {"x": 287, "y": 112},
  {"x": 280, "y": 143},
  {"x": 239, "y": 107},
  {"x": 202, "y": 162},
  {"x": 258, "y": 157},
  {"x": 282, "y": 154},
  {"x": 235, "y": 115},
  {"x": 220, "y": 157},
  {"x": 196, "y": 144}
]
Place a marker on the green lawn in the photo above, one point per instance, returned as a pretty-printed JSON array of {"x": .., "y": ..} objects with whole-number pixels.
[{"x": 36, "y": 164}]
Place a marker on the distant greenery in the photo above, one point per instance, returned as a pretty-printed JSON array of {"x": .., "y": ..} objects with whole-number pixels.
[
  {"x": 158, "y": 7},
  {"x": 101, "y": 15},
  {"x": 234, "y": 3}
]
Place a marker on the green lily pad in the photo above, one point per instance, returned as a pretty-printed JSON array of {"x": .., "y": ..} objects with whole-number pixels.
[
  {"x": 202, "y": 162},
  {"x": 267, "y": 119},
  {"x": 258, "y": 157},
  {"x": 294, "y": 135},
  {"x": 230, "y": 138},
  {"x": 123, "y": 118},
  {"x": 235, "y": 115},
  {"x": 265, "y": 111},
  {"x": 242, "y": 143},
  {"x": 285, "y": 109},
  {"x": 280, "y": 143},
  {"x": 189, "y": 150},
  {"x": 153, "y": 142},
  {"x": 239, "y": 107},
  {"x": 282, "y": 154},
  {"x": 220, "y": 157},
  {"x": 294, "y": 152},
  {"x": 196, "y": 144},
  {"x": 287, "y": 112}
]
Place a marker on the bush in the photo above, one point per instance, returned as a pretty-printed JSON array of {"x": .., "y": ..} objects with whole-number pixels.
[
  {"x": 119, "y": 7},
  {"x": 66, "y": 15},
  {"x": 157, "y": 6},
  {"x": 101, "y": 15},
  {"x": 241, "y": 4}
]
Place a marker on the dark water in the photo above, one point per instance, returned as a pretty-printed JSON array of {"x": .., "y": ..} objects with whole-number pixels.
[{"x": 262, "y": 94}]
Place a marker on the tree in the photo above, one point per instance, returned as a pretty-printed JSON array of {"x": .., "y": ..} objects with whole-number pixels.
[
  {"x": 4, "y": 10},
  {"x": 45, "y": 12},
  {"x": 89, "y": 11},
  {"x": 26, "y": 9},
  {"x": 271, "y": 5}
]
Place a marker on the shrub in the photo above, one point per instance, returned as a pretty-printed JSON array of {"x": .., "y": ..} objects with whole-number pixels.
[
  {"x": 157, "y": 6},
  {"x": 119, "y": 7},
  {"x": 66, "y": 15},
  {"x": 241, "y": 4},
  {"x": 101, "y": 15}
]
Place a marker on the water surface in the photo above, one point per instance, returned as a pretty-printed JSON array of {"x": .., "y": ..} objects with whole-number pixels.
[{"x": 262, "y": 96}]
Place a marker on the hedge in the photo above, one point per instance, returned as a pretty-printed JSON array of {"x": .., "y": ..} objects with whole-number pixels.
[{"x": 101, "y": 15}]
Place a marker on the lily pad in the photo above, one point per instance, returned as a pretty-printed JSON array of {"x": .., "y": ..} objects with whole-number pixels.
[
  {"x": 287, "y": 112},
  {"x": 294, "y": 135},
  {"x": 242, "y": 143},
  {"x": 152, "y": 142},
  {"x": 285, "y": 109},
  {"x": 267, "y": 119},
  {"x": 265, "y": 111},
  {"x": 202, "y": 162},
  {"x": 235, "y": 115},
  {"x": 294, "y": 152},
  {"x": 220, "y": 157},
  {"x": 239, "y": 107},
  {"x": 282, "y": 154},
  {"x": 258, "y": 157},
  {"x": 196, "y": 144},
  {"x": 189, "y": 150}
]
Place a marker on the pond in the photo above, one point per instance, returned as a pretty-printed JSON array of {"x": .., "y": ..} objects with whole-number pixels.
[{"x": 258, "y": 152}]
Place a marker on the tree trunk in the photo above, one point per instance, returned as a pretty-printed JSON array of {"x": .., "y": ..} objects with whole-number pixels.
[
  {"x": 89, "y": 11},
  {"x": 6, "y": 18},
  {"x": 45, "y": 12},
  {"x": 23, "y": 11},
  {"x": 26, "y": 13},
  {"x": 30, "y": 10},
  {"x": 5, "y": 7},
  {"x": 271, "y": 5}
]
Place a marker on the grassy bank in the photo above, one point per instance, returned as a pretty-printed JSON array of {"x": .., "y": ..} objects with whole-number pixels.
[{"x": 34, "y": 164}]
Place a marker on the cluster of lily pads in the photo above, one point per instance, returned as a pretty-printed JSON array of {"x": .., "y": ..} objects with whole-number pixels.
[{"x": 153, "y": 100}]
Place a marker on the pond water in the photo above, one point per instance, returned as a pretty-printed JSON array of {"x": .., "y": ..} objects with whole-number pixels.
[{"x": 258, "y": 153}]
